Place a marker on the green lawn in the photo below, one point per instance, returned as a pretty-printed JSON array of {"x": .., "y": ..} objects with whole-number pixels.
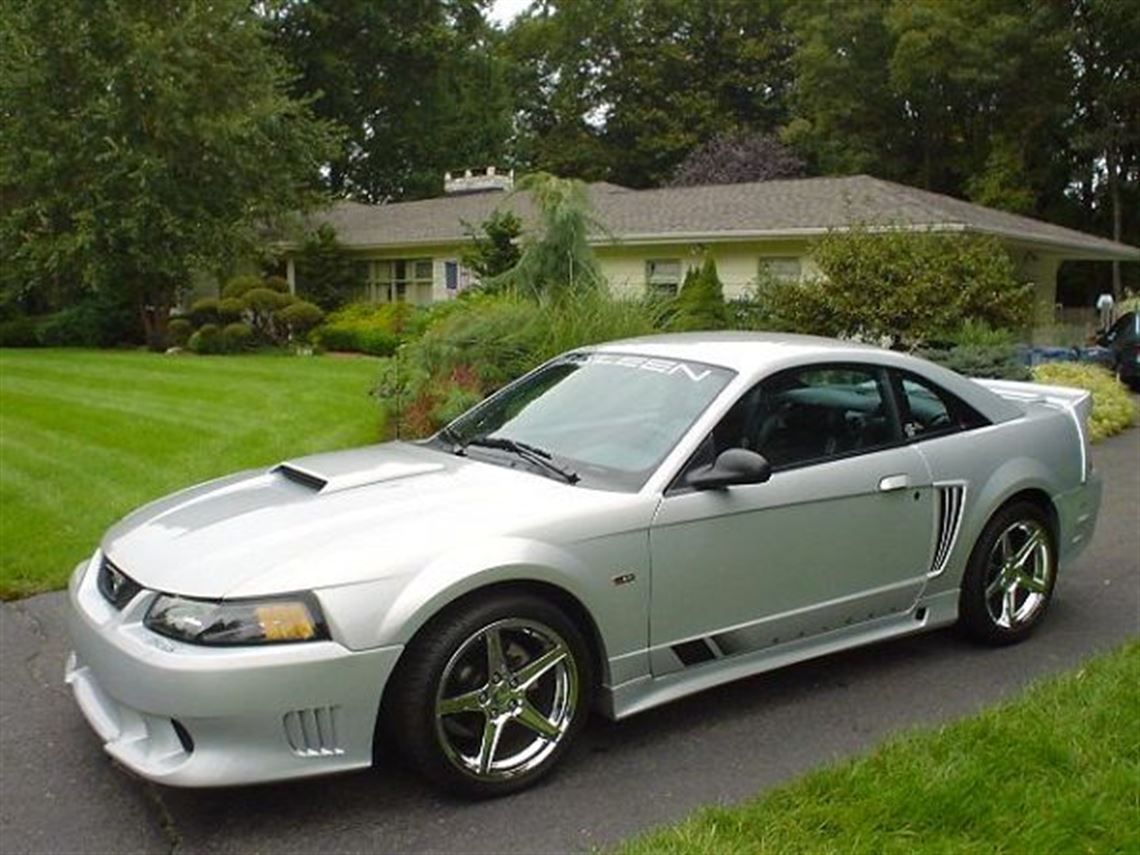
[
  {"x": 1057, "y": 770},
  {"x": 85, "y": 436}
]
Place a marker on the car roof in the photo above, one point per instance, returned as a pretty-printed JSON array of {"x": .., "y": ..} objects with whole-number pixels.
[
  {"x": 741, "y": 351},
  {"x": 757, "y": 354}
]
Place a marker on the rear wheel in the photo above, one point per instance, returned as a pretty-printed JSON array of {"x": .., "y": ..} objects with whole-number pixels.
[
  {"x": 1010, "y": 576},
  {"x": 489, "y": 696}
]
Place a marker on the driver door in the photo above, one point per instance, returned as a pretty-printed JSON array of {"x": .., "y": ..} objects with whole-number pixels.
[{"x": 840, "y": 534}]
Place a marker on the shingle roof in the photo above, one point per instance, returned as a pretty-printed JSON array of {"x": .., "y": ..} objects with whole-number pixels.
[{"x": 711, "y": 213}]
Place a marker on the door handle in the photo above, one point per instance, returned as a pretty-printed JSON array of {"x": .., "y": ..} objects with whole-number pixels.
[{"x": 893, "y": 482}]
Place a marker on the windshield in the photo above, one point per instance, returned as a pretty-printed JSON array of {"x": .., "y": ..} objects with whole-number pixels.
[{"x": 608, "y": 418}]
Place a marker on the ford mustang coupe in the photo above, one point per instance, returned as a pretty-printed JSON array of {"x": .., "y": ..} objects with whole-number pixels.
[{"x": 627, "y": 524}]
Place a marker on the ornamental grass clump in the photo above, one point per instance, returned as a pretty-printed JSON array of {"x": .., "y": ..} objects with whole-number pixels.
[
  {"x": 1112, "y": 411},
  {"x": 487, "y": 340}
]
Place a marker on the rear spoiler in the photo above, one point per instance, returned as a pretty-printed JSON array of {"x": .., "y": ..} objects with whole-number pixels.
[{"x": 1078, "y": 403}]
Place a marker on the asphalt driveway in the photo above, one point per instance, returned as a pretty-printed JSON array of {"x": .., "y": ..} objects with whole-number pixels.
[{"x": 60, "y": 793}]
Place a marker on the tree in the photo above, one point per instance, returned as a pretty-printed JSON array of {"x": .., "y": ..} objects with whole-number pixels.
[
  {"x": 418, "y": 87},
  {"x": 559, "y": 262},
  {"x": 624, "y": 89},
  {"x": 143, "y": 141},
  {"x": 1106, "y": 108},
  {"x": 700, "y": 304},
  {"x": 901, "y": 287},
  {"x": 736, "y": 157},
  {"x": 494, "y": 246},
  {"x": 326, "y": 274},
  {"x": 966, "y": 98}
]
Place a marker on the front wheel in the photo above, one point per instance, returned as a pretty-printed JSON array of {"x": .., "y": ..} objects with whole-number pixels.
[
  {"x": 1010, "y": 576},
  {"x": 489, "y": 695}
]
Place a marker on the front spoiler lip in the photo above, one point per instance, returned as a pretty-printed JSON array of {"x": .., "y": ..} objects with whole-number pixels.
[{"x": 234, "y": 703}]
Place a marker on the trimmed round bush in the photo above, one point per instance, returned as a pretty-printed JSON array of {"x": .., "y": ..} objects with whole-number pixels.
[
  {"x": 179, "y": 330},
  {"x": 230, "y": 309},
  {"x": 239, "y": 286},
  {"x": 204, "y": 311},
  {"x": 1112, "y": 410},
  {"x": 276, "y": 283},
  {"x": 266, "y": 300},
  {"x": 299, "y": 318},
  {"x": 236, "y": 337},
  {"x": 208, "y": 339}
]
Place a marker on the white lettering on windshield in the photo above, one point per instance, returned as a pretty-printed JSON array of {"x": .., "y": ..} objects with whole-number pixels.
[{"x": 644, "y": 363}]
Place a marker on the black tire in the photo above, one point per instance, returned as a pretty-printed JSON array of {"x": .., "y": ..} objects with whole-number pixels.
[
  {"x": 449, "y": 662},
  {"x": 999, "y": 602}
]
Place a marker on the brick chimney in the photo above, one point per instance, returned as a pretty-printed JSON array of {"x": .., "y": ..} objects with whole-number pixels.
[{"x": 483, "y": 182}]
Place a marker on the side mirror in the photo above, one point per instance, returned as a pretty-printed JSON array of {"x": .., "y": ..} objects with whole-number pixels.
[{"x": 733, "y": 466}]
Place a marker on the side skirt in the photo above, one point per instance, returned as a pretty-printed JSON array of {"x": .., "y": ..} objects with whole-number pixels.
[{"x": 643, "y": 693}]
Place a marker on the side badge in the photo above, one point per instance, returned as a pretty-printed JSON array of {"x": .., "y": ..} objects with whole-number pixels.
[{"x": 625, "y": 578}]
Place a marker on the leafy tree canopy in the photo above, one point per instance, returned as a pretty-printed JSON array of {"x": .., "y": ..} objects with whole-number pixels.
[
  {"x": 624, "y": 89},
  {"x": 902, "y": 287},
  {"x": 418, "y": 87},
  {"x": 736, "y": 157},
  {"x": 141, "y": 141},
  {"x": 494, "y": 245}
]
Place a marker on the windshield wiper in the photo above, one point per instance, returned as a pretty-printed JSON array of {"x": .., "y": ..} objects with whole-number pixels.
[
  {"x": 532, "y": 454},
  {"x": 452, "y": 438}
]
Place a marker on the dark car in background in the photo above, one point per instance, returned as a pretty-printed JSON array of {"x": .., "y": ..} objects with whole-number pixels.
[{"x": 1123, "y": 340}]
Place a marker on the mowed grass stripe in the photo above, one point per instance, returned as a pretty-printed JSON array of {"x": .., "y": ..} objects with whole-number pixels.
[
  {"x": 86, "y": 436},
  {"x": 163, "y": 407}
]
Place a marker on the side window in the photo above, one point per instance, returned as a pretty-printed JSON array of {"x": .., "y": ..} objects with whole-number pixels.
[
  {"x": 808, "y": 415},
  {"x": 928, "y": 410}
]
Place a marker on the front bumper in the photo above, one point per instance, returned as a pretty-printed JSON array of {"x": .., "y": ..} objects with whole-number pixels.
[{"x": 189, "y": 715}]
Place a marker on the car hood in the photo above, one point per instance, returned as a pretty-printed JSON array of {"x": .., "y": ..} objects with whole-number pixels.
[{"x": 337, "y": 518}]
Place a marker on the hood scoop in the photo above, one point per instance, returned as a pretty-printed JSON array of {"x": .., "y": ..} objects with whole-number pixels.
[
  {"x": 300, "y": 476},
  {"x": 332, "y": 481}
]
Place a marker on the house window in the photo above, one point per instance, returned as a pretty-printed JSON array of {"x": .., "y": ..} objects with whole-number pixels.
[
  {"x": 401, "y": 280},
  {"x": 782, "y": 268},
  {"x": 663, "y": 275}
]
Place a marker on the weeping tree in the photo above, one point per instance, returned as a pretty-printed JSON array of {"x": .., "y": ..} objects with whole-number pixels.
[{"x": 558, "y": 262}]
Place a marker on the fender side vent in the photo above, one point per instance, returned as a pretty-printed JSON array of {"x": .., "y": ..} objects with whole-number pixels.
[
  {"x": 300, "y": 476},
  {"x": 693, "y": 652},
  {"x": 948, "y": 505},
  {"x": 314, "y": 732}
]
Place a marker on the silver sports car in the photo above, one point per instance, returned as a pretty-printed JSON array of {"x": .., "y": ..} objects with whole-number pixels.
[{"x": 625, "y": 525}]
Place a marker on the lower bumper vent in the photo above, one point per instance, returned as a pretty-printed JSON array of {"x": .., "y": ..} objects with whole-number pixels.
[{"x": 314, "y": 732}]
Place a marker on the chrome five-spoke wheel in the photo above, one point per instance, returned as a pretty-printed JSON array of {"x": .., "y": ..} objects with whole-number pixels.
[
  {"x": 506, "y": 699},
  {"x": 1010, "y": 576},
  {"x": 1021, "y": 572},
  {"x": 490, "y": 693}
]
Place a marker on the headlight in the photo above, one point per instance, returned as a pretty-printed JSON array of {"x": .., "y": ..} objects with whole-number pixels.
[{"x": 295, "y": 617}]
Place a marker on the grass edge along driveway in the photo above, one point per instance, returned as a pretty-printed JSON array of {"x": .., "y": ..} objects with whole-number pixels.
[
  {"x": 1055, "y": 770},
  {"x": 86, "y": 436}
]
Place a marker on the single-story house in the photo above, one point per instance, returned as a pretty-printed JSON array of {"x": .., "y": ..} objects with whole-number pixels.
[{"x": 412, "y": 251}]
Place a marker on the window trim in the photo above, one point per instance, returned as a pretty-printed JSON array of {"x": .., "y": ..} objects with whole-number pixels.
[
  {"x": 958, "y": 409},
  {"x": 654, "y": 285},
  {"x": 764, "y": 267},
  {"x": 887, "y": 393}
]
